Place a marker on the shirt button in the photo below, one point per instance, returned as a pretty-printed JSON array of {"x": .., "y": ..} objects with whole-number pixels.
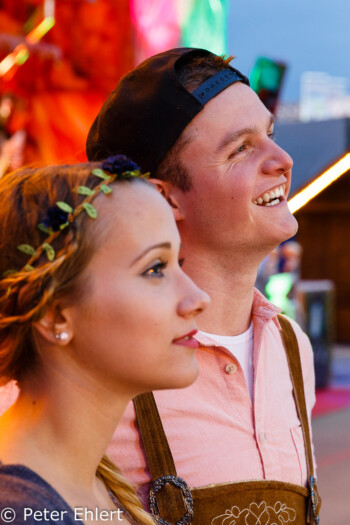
[
  {"x": 263, "y": 436},
  {"x": 231, "y": 368}
]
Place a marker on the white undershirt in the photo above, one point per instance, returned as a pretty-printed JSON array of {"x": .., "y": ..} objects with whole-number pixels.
[{"x": 241, "y": 346}]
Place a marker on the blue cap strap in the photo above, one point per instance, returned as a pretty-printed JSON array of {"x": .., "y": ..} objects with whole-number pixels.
[{"x": 217, "y": 83}]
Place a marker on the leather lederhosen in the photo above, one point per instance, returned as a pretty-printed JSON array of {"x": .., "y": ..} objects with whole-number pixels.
[{"x": 237, "y": 503}]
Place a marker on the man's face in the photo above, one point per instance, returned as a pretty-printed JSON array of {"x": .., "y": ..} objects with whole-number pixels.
[{"x": 235, "y": 165}]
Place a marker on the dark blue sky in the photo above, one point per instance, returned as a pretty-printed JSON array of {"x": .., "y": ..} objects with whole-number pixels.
[{"x": 312, "y": 35}]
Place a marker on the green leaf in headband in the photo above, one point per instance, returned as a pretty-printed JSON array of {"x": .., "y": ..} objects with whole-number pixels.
[
  {"x": 26, "y": 248},
  {"x": 44, "y": 228},
  {"x": 90, "y": 210},
  {"x": 50, "y": 252},
  {"x": 64, "y": 225},
  {"x": 105, "y": 189},
  {"x": 135, "y": 173},
  {"x": 84, "y": 190},
  {"x": 28, "y": 268},
  {"x": 64, "y": 206},
  {"x": 101, "y": 174}
]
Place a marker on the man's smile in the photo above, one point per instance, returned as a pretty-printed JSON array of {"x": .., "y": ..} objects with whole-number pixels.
[{"x": 271, "y": 197}]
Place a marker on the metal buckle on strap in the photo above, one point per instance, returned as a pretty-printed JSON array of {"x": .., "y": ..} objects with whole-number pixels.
[
  {"x": 157, "y": 485},
  {"x": 313, "y": 501}
]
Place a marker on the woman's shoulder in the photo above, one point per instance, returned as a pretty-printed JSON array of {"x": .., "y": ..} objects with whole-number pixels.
[{"x": 26, "y": 498}]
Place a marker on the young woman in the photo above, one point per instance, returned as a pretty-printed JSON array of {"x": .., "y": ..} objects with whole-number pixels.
[{"x": 94, "y": 310}]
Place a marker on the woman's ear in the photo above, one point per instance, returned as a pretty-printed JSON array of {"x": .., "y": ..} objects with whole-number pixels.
[
  {"x": 55, "y": 326},
  {"x": 169, "y": 192}
]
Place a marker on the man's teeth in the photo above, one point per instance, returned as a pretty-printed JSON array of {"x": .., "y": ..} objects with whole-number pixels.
[
  {"x": 272, "y": 203},
  {"x": 271, "y": 198}
]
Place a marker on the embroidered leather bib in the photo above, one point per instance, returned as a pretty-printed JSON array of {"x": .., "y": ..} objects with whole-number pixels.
[{"x": 240, "y": 503}]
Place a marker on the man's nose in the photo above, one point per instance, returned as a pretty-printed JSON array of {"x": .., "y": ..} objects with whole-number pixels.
[{"x": 278, "y": 160}]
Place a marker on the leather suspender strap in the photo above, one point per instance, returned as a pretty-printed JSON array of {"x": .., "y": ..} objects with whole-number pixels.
[
  {"x": 159, "y": 456},
  {"x": 292, "y": 351}
]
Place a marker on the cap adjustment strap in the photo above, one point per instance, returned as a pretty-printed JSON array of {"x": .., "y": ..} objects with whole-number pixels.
[{"x": 218, "y": 82}]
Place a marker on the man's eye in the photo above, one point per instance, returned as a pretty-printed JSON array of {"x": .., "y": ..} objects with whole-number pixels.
[
  {"x": 156, "y": 270},
  {"x": 238, "y": 150},
  {"x": 181, "y": 262},
  {"x": 272, "y": 135}
]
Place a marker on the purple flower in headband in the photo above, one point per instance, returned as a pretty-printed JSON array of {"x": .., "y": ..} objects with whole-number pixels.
[
  {"x": 55, "y": 217},
  {"x": 119, "y": 164}
]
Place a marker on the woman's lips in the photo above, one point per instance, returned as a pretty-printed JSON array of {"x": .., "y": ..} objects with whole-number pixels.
[{"x": 187, "y": 340}]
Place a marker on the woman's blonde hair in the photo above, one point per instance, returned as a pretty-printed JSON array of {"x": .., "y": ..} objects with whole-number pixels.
[
  {"x": 25, "y": 293},
  {"x": 123, "y": 490}
]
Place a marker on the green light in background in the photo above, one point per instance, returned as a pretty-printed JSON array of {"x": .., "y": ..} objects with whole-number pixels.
[
  {"x": 266, "y": 74},
  {"x": 277, "y": 290},
  {"x": 205, "y": 25},
  {"x": 266, "y": 79}
]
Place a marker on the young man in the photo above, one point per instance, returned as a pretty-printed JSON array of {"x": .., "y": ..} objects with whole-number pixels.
[{"x": 193, "y": 121}]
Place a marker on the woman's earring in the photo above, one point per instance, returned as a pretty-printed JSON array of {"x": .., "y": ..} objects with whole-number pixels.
[{"x": 62, "y": 336}]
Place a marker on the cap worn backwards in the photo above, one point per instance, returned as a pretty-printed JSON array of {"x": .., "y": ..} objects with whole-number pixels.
[{"x": 148, "y": 110}]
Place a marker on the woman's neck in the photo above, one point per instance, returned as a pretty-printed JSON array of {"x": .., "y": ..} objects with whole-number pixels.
[{"x": 60, "y": 427}]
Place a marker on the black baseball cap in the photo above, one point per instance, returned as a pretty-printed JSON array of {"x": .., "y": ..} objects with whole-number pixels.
[{"x": 148, "y": 110}]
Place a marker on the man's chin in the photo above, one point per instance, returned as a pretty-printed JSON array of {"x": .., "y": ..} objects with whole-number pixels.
[
  {"x": 290, "y": 229},
  {"x": 285, "y": 231}
]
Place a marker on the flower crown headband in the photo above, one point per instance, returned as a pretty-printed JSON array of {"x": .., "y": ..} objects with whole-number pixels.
[{"x": 62, "y": 215}]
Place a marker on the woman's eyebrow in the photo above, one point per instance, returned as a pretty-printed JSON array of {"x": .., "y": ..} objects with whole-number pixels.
[{"x": 166, "y": 245}]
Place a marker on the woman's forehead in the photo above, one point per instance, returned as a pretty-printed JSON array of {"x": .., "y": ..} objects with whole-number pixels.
[{"x": 134, "y": 216}]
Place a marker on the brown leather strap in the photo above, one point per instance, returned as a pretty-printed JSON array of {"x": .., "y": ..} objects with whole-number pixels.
[
  {"x": 292, "y": 351},
  {"x": 159, "y": 456}
]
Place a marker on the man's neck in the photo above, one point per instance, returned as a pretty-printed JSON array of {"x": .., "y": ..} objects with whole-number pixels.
[{"x": 230, "y": 285}]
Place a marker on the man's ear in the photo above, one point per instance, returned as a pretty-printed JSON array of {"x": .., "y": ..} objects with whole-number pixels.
[
  {"x": 169, "y": 192},
  {"x": 55, "y": 326}
]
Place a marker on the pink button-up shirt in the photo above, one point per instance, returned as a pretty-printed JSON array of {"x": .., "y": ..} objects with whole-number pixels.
[{"x": 215, "y": 433}]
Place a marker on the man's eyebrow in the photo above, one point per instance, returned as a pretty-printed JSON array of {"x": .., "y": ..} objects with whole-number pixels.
[
  {"x": 232, "y": 137},
  {"x": 166, "y": 245}
]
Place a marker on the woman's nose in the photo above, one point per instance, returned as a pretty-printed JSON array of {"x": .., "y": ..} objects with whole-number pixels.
[{"x": 193, "y": 301}]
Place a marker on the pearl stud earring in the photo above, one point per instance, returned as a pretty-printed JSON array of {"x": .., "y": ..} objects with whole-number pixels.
[{"x": 62, "y": 336}]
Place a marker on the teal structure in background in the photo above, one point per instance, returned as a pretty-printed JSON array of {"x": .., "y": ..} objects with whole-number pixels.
[{"x": 205, "y": 26}]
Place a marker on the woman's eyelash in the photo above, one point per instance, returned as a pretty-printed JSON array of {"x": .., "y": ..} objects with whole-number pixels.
[{"x": 156, "y": 270}]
